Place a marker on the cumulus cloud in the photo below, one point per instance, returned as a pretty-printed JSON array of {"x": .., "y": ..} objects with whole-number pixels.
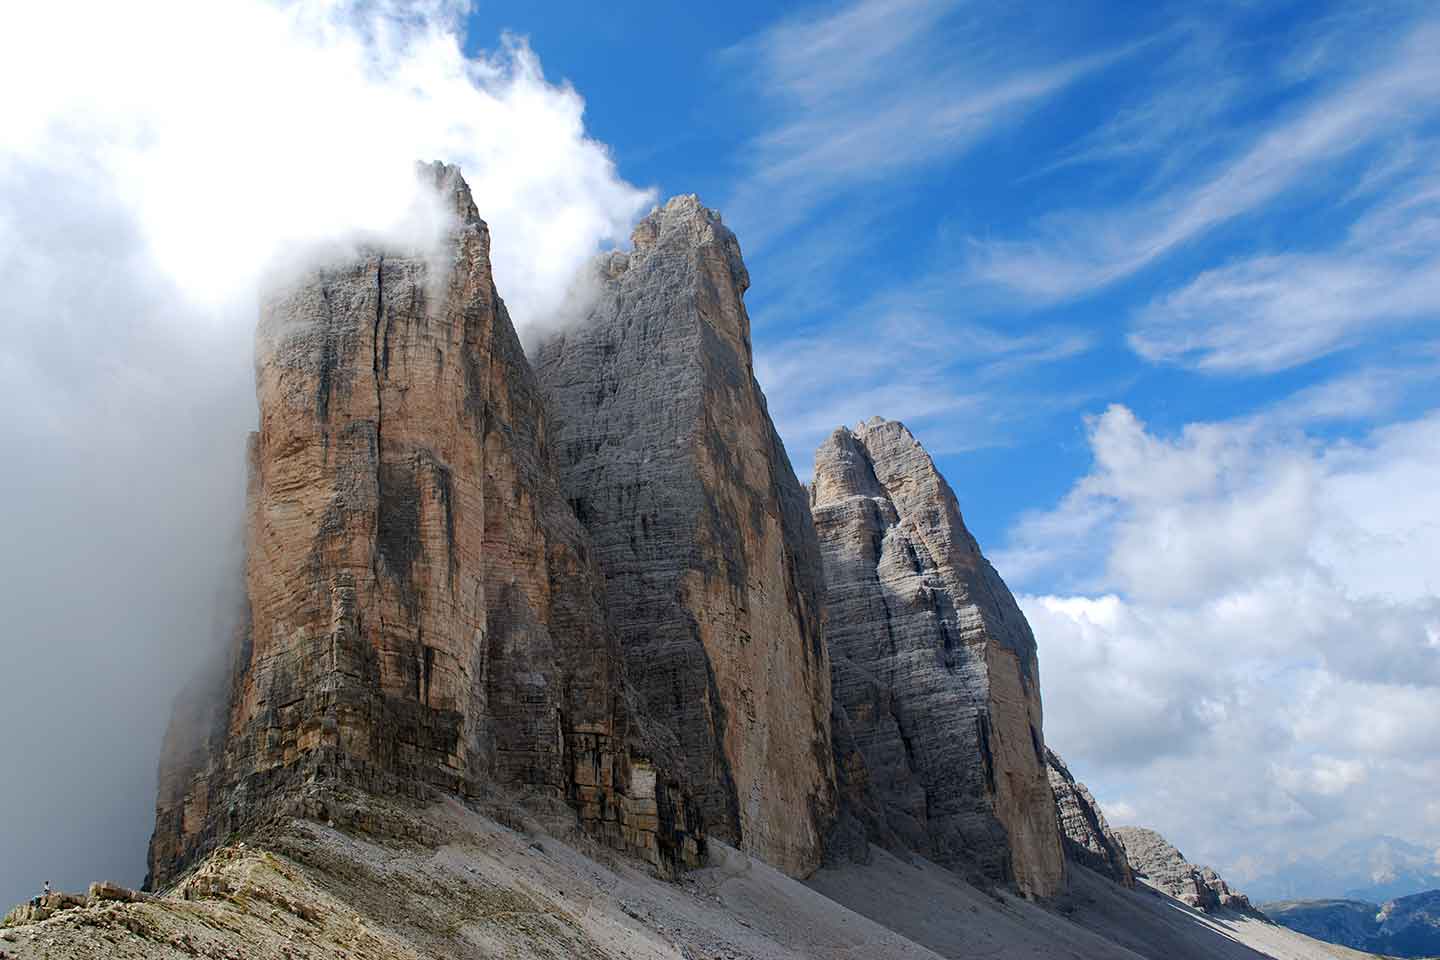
[
  {"x": 1247, "y": 646},
  {"x": 232, "y": 131},
  {"x": 155, "y": 159}
]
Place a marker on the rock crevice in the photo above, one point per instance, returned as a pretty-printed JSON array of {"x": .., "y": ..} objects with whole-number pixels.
[
  {"x": 422, "y": 608},
  {"x": 934, "y": 669},
  {"x": 1087, "y": 837},
  {"x": 668, "y": 454}
]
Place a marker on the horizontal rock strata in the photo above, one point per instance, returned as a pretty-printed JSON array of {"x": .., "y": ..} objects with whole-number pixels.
[
  {"x": 669, "y": 457},
  {"x": 1152, "y": 857},
  {"x": 934, "y": 666},
  {"x": 1087, "y": 838},
  {"x": 422, "y": 607}
]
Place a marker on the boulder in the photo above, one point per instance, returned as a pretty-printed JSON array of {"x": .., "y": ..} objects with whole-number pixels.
[{"x": 101, "y": 891}]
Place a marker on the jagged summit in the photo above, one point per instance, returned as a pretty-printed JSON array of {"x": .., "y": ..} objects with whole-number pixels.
[
  {"x": 681, "y": 223},
  {"x": 422, "y": 610},
  {"x": 449, "y": 184},
  {"x": 669, "y": 457},
  {"x": 1164, "y": 867},
  {"x": 934, "y": 667}
]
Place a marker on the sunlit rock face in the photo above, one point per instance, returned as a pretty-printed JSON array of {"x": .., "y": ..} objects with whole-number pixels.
[
  {"x": 422, "y": 606},
  {"x": 671, "y": 461},
  {"x": 1087, "y": 838},
  {"x": 934, "y": 666},
  {"x": 1164, "y": 867}
]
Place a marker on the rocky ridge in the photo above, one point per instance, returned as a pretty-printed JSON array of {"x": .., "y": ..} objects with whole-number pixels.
[
  {"x": 1404, "y": 927},
  {"x": 1087, "y": 838},
  {"x": 422, "y": 607},
  {"x": 935, "y": 676},
  {"x": 1153, "y": 858},
  {"x": 670, "y": 460}
]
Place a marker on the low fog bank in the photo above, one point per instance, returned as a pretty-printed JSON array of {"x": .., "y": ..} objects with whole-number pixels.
[
  {"x": 124, "y": 435},
  {"x": 137, "y": 214}
]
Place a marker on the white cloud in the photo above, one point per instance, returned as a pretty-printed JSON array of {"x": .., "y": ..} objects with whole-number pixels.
[
  {"x": 1248, "y": 653},
  {"x": 233, "y": 131},
  {"x": 1079, "y": 252},
  {"x": 154, "y": 158},
  {"x": 1118, "y": 813},
  {"x": 1179, "y": 112},
  {"x": 1270, "y": 312}
]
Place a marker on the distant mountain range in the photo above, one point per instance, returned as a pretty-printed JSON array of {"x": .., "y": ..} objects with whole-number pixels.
[
  {"x": 1405, "y": 927},
  {"x": 1372, "y": 870}
]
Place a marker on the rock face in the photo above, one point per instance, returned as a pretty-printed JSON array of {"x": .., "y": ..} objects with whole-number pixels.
[
  {"x": 1153, "y": 858},
  {"x": 422, "y": 607},
  {"x": 669, "y": 458},
  {"x": 1087, "y": 838},
  {"x": 1410, "y": 926},
  {"x": 934, "y": 667}
]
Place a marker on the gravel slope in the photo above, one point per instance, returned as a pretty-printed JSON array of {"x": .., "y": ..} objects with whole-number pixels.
[{"x": 449, "y": 882}]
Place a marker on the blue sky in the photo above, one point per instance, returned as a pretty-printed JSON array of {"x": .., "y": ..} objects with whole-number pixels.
[
  {"x": 1159, "y": 285},
  {"x": 975, "y": 218}
]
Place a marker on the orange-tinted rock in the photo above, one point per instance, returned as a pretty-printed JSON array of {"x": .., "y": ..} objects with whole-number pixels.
[{"x": 423, "y": 611}]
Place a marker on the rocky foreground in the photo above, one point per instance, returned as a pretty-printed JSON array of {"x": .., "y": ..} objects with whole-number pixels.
[{"x": 447, "y": 882}]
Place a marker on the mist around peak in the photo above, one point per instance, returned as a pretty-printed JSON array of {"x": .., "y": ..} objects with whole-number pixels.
[{"x": 161, "y": 166}]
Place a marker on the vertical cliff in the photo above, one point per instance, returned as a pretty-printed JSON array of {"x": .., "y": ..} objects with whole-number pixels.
[
  {"x": 1087, "y": 838},
  {"x": 423, "y": 609},
  {"x": 934, "y": 664},
  {"x": 669, "y": 457}
]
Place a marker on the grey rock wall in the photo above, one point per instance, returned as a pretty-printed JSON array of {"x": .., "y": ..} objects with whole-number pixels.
[
  {"x": 1087, "y": 838},
  {"x": 669, "y": 458},
  {"x": 934, "y": 667},
  {"x": 1152, "y": 857}
]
